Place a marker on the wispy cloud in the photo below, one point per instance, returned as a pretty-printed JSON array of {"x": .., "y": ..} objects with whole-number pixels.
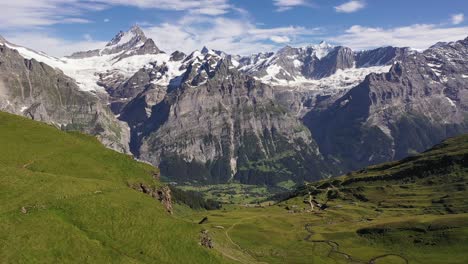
[
  {"x": 53, "y": 45},
  {"x": 38, "y": 13},
  {"x": 280, "y": 39},
  {"x": 203, "y": 23},
  {"x": 33, "y": 13},
  {"x": 235, "y": 36},
  {"x": 284, "y": 5},
  {"x": 204, "y": 7},
  {"x": 458, "y": 18},
  {"x": 350, "y": 7},
  {"x": 417, "y": 36}
]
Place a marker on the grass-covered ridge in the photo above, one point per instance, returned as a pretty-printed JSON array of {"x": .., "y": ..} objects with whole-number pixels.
[{"x": 64, "y": 198}]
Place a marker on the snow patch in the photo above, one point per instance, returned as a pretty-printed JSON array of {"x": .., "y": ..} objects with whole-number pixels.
[
  {"x": 321, "y": 50},
  {"x": 385, "y": 130},
  {"x": 452, "y": 103},
  {"x": 272, "y": 71},
  {"x": 235, "y": 63},
  {"x": 342, "y": 79},
  {"x": 297, "y": 63}
]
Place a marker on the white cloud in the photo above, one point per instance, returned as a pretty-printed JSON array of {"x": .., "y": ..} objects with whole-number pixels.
[
  {"x": 235, "y": 36},
  {"x": 87, "y": 37},
  {"x": 205, "y": 7},
  {"x": 53, "y": 45},
  {"x": 106, "y": 20},
  {"x": 458, "y": 18},
  {"x": 202, "y": 23},
  {"x": 418, "y": 36},
  {"x": 27, "y": 13},
  {"x": 350, "y": 7},
  {"x": 280, "y": 39},
  {"x": 38, "y": 13},
  {"x": 283, "y": 5}
]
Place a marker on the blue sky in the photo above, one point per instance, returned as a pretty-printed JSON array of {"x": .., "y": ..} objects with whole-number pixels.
[{"x": 60, "y": 27}]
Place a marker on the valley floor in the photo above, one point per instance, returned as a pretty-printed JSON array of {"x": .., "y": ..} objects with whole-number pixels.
[
  {"x": 344, "y": 233},
  {"x": 410, "y": 211}
]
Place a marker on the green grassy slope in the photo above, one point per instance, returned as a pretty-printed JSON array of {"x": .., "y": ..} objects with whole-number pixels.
[
  {"x": 411, "y": 211},
  {"x": 78, "y": 207},
  {"x": 435, "y": 181}
]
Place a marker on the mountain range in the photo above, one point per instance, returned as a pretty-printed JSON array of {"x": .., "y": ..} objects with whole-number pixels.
[{"x": 210, "y": 117}]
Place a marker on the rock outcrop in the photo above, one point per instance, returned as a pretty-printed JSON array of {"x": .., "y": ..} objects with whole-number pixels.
[
  {"x": 205, "y": 239},
  {"x": 162, "y": 194}
]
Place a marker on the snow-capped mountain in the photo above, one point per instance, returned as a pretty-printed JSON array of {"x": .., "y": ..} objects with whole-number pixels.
[
  {"x": 422, "y": 100},
  {"x": 213, "y": 117},
  {"x": 124, "y": 55},
  {"x": 131, "y": 63},
  {"x": 124, "y": 44},
  {"x": 321, "y": 66}
]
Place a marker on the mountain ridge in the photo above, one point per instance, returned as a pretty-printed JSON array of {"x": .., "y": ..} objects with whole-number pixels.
[{"x": 160, "y": 95}]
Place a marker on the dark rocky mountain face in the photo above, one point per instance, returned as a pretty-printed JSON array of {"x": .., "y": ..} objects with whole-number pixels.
[
  {"x": 219, "y": 125},
  {"x": 379, "y": 56},
  {"x": 421, "y": 101},
  {"x": 35, "y": 90},
  {"x": 339, "y": 58}
]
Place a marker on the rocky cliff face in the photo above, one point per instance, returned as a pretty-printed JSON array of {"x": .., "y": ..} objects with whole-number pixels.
[
  {"x": 37, "y": 91},
  {"x": 219, "y": 125},
  {"x": 422, "y": 100}
]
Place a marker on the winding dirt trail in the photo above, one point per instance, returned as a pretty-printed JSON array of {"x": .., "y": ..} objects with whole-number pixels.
[
  {"x": 25, "y": 166},
  {"x": 372, "y": 261},
  {"x": 335, "y": 249},
  {"x": 334, "y": 246},
  {"x": 237, "y": 245}
]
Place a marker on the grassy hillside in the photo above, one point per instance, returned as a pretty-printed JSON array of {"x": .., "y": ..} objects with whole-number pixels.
[
  {"x": 411, "y": 211},
  {"x": 64, "y": 198}
]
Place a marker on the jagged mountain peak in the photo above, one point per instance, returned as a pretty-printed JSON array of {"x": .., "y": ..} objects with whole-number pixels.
[
  {"x": 178, "y": 56},
  {"x": 323, "y": 43},
  {"x": 2, "y": 40},
  {"x": 134, "y": 34},
  {"x": 124, "y": 44},
  {"x": 205, "y": 50}
]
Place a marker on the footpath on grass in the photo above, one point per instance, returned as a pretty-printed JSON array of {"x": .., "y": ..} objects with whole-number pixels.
[{"x": 335, "y": 249}]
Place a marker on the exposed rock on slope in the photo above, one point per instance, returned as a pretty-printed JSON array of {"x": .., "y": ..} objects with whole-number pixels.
[{"x": 162, "y": 194}]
